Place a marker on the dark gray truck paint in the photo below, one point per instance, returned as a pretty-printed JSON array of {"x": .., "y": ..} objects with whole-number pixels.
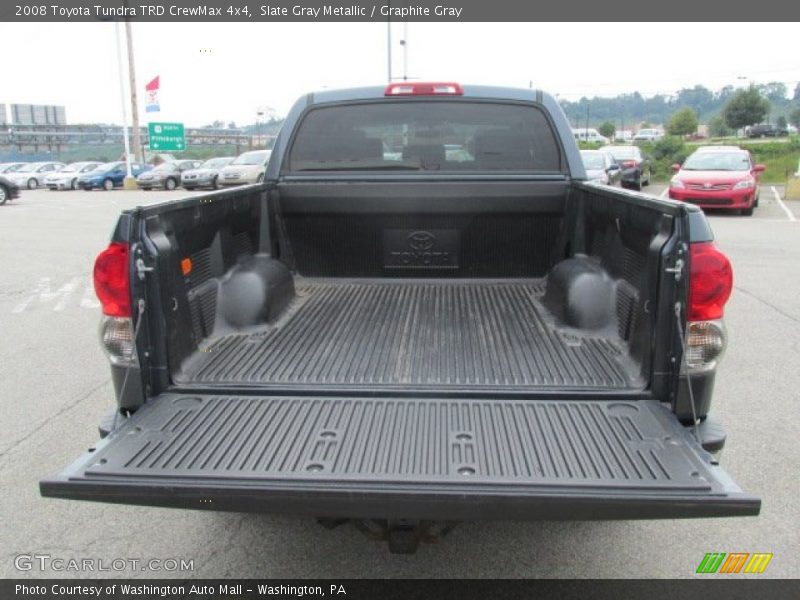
[{"x": 532, "y": 372}]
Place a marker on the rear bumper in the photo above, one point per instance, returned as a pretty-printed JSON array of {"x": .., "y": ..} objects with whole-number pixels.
[
  {"x": 440, "y": 459},
  {"x": 632, "y": 175}
]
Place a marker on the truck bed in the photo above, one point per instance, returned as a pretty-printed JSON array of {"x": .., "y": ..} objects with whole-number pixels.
[{"x": 426, "y": 333}]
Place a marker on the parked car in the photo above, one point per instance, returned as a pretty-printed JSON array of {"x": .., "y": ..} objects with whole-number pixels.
[
  {"x": 248, "y": 167},
  {"x": 718, "y": 177},
  {"x": 416, "y": 342},
  {"x": 765, "y": 130},
  {"x": 10, "y": 167},
  {"x": 589, "y": 135},
  {"x": 167, "y": 175},
  {"x": 109, "y": 175},
  {"x": 31, "y": 175},
  {"x": 206, "y": 175},
  {"x": 601, "y": 167},
  {"x": 636, "y": 167},
  {"x": 623, "y": 135},
  {"x": 67, "y": 178},
  {"x": 8, "y": 190},
  {"x": 648, "y": 135}
]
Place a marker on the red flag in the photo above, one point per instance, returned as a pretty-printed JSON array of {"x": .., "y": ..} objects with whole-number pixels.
[{"x": 153, "y": 85}]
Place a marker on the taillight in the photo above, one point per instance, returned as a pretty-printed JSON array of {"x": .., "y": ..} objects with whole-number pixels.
[
  {"x": 710, "y": 286},
  {"x": 111, "y": 283},
  {"x": 423, "y": 89},
  {"x": 710, "y": 282}
]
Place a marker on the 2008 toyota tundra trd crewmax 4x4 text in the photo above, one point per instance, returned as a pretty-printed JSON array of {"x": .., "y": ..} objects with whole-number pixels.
[{"x": 423, "y": 314}]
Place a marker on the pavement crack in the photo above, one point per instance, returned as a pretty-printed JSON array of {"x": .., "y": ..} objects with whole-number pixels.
[
  {"x": 16, "y": 444},
  {"x": 768, "y": 303}
]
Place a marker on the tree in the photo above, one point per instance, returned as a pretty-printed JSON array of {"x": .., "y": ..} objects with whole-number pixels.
[
  {"x": 796, "y": 96},
  {"x": 683, "y": 122},
  {"x": 717, "y": 127},
  {"x": 780, "y": 123},
  {"x": 794, "y": 117},
  {"x": 774, "y": 91},
  {"x": 699, "y": 98},
  {"x": 607, "y": 129},
  {"x": 747, "y": 107}
]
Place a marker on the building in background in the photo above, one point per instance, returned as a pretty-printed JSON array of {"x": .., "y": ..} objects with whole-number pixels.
[{"x": 38, "y": 114}]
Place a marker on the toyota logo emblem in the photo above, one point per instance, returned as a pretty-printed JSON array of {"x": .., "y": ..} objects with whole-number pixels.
[{"x": 421, "y": 240}]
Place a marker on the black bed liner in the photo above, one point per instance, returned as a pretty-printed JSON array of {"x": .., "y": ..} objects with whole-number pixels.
[
  {"x": 410, "y": 458},
  {"x": 401, "y": 332}
]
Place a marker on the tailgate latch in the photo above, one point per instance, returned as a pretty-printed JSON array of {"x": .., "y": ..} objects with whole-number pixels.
[
  {"x": 142, "y": 269},
  {"x": 677, "y": 269}
]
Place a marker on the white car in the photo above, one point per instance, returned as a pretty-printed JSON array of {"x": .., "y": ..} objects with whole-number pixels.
[
  {"x": 32, "y": 175},
  {"x": 245, "y": 168},
  {"x": 67, "y": 178},
  {"x": 648, "y": 135},
  {"x": 589, "y": 135},
  {"x": 623, "y": 135}
]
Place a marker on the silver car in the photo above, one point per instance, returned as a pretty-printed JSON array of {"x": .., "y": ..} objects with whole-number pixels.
[
  {"x": 246, "y": 168},
  {"x": 167, "y": 175},
  {"x": 10, "y": 167},
  {"x": 206, "y": 175},
  {"x": 67, "y": 178},
  {"x": 601, "y": 167},
  {"x": 32, "y": 175}
]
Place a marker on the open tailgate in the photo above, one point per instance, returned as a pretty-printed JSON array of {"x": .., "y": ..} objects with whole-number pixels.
[{"x": 422, "y": 458}]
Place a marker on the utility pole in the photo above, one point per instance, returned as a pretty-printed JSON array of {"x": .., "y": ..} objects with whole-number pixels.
[
  {"x": 130, "y": 182},
  {"x": 404, "y": 44},
  {"x": 389, "y": 46},
  {"x": 137, "y": 137},
  {"x": 587, "y": 118}
]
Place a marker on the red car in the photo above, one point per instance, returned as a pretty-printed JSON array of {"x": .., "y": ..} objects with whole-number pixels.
[{"x": 718, "y": 177}]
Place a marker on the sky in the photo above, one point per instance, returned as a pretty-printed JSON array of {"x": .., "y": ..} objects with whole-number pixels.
[{"x": 228, "y": 71}]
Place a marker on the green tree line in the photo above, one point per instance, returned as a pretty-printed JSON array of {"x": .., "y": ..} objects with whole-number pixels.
[{"x": 627, "y": 109}]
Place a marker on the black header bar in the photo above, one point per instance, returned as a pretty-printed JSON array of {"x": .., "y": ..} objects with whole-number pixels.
[{"x": 276, "y": 11}]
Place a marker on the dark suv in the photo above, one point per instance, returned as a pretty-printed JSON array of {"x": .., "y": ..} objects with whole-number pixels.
[{"x": 765, "y": 130}]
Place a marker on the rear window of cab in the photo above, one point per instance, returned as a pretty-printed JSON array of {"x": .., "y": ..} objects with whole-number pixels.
[{"x": 426, "y": 135}]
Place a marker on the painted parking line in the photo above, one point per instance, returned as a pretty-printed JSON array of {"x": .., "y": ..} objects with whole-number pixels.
[
  {"x": 789, "y": 213},
  {"x": 664, "y": 193}
]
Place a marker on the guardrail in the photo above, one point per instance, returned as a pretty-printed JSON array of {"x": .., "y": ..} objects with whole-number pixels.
[{"x": 50, "y": 138}]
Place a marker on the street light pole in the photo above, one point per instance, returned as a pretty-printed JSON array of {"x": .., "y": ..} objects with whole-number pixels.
[
  {"x": 389, "y": 46},
  {"x": 129, "y": 179},
  {"x": 137, "y": 138},
  {"x": 404, "y": 43}
]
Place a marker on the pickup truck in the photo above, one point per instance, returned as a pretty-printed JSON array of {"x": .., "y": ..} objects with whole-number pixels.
[{"x": 424, "y": 314}]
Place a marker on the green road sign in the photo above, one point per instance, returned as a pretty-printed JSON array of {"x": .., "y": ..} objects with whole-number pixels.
[{"x": 166, "y": 136}]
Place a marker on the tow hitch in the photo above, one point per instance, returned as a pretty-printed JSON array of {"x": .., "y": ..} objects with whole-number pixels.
[{"x": 403, "y": 535}]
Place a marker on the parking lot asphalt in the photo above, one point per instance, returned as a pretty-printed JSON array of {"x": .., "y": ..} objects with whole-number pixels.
[{"x": 55, "y": 387}]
